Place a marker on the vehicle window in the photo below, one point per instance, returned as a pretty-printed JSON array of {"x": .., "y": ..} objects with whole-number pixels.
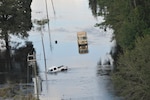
[{"x": 84, "y": 38}]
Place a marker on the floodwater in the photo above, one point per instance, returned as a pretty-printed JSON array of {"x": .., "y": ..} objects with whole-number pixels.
[{"x": 82, "y": 80}]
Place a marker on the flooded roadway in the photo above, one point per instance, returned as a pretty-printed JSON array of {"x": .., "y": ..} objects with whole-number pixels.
[{"x": 82, "y": 80}]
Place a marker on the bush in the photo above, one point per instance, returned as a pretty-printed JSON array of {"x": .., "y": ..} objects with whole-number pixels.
[{"x": 133, "y": 76}]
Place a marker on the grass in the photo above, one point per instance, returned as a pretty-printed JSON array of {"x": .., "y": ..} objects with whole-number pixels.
[{"x": 15, "y": 94}]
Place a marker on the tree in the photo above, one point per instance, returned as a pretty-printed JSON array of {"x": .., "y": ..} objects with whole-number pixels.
[
  {"x": 15, "y": 19},
  {"x": 132, "y": 78},
  {"x": 130, "y": 20}
]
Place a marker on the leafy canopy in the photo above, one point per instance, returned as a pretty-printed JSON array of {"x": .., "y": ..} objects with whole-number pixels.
[{"x": 15, "y": 17}]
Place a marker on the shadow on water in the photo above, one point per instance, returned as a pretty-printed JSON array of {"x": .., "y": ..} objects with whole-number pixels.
[{"x": 104, "y": 71}]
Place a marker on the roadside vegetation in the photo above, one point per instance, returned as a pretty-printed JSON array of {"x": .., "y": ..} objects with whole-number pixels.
[
  {"x": 15, "y": 20},
  {"x": 13, "y": 92},
  {"x": 10, "y": 88},
  {"x": 130, "y": 20}
]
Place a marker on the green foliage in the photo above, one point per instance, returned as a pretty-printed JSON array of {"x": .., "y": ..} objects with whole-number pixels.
[
  {"x": 93, "y": 6},
  {"x": 130, "y": 20},
  {"x": 28, "y": 97},
  {"x": 3, "y": 91},
  {"x": 15, "y": 17},
  {"x": 41, "y": 23},
  {"x": 15, "y": 93},
  {"x": 132, "y": 79},
  {"x": 22, "y": 52}
]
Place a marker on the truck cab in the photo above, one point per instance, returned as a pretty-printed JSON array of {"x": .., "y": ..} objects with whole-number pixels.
[{"x": 82, "y": 38}]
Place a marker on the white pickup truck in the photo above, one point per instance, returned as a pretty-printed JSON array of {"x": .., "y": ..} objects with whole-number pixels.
[{"x": 55, "y": 69}]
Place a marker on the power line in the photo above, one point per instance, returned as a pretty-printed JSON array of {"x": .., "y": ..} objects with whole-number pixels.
[{"x": 53, "y": 7}]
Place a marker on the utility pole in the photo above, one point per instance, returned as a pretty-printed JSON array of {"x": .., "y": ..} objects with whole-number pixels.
[
  {"x": 41, "y": 23},
  {"x": 44, "y": 53},
  {"x": 31, "y": 58},
  {"x": 44, "y": 58}
]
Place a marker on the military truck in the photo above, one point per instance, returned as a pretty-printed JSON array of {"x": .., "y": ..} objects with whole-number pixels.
[{"x": 82, "y": 38}]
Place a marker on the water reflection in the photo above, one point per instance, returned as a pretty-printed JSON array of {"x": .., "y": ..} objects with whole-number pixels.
[
  {"x": 104, "y": 70},
  {"x": 83, "y": 49}
]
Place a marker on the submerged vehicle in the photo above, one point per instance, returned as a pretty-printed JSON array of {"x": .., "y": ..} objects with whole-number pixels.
[
  {"x": 82, "y": 42},
  {"x": 55, "y": 69},
  {"x": 82, "y": 38}
]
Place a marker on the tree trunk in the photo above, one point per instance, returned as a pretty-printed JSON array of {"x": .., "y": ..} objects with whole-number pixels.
[
  {"x": 134, "y": 3},
  {"x": 8, "y": 55}
]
